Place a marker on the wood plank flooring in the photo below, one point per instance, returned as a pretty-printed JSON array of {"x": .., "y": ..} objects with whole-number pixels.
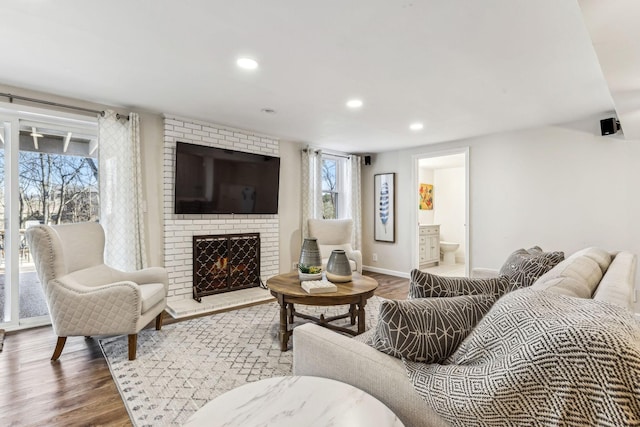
[{"x": 78, "y": 389}]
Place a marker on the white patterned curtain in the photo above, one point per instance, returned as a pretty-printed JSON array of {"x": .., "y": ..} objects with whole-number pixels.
[
  {"x": 355, "y": 199},
  {"x": 121, "y": 201},
  {"x": 311, "y": 187}
]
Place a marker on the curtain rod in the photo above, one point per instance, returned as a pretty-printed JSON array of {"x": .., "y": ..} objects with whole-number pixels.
[
  {"x": 55, "y": 104},
  {"x": 329, "y": 153}
]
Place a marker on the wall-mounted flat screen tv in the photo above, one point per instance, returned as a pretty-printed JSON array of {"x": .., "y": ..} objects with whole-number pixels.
[{"x": 211, "y": 180}]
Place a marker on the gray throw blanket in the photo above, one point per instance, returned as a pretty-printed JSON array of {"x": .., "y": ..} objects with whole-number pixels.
[{"x": 539, "y": 358}]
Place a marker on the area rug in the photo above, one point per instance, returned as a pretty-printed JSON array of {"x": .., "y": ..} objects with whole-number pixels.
[{"x": 186, "y": 364}]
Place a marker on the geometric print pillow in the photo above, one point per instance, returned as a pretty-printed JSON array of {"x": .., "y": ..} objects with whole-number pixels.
[
  {"x": 523, "y": 269},
  {"x": 425, "y": 285},
  {"x": 427, "y": 330}
]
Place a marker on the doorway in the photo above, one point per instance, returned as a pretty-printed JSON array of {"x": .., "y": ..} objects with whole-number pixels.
[
  {"x": 48, "y": 175},
  {"x": 441, "y": 183}
]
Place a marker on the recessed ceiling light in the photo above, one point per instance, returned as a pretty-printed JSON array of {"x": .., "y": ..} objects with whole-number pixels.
[
  {"x": 354, "y": 103},
  {"x": 416, "y": 126},
  {"x": 247, "y": 63}
]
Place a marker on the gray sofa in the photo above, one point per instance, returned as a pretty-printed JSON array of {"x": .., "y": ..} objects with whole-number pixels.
[{"x": 590, "y": 273}]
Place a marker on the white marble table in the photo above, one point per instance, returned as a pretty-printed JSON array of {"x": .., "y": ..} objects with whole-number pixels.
[{"x": 295, "y": 401}]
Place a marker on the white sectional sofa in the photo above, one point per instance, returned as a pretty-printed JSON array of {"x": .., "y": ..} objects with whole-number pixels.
[{"x": 590, "y": 273}]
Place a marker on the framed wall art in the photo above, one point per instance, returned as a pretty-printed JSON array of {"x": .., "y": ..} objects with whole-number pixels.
[
  {"x": 384, "y": 224},
  {"x": 426, "y": 197}
]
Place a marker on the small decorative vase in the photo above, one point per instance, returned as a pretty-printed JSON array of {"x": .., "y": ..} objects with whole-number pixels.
[
  {"x": 338, "y": 267},
  {"x": 310, "y": 263}
]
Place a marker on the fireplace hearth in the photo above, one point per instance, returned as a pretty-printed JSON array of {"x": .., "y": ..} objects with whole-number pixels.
[{"x": 225, "y": 263}]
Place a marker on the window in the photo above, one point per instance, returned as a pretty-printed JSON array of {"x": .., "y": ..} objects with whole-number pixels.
[
  {"x": 58, "y": 176},
  {"x": 333, "y": 187}
]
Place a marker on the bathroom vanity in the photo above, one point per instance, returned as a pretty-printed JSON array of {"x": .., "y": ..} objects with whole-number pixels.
[{"x": 429, "y": 245}]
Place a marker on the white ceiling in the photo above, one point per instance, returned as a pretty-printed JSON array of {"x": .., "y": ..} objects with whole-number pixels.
[
  {"x": 442, "y": 162},
  {"x": 462, "y": 67}
]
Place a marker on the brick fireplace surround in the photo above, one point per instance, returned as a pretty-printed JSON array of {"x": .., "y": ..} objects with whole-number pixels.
[{"x": 179, "y": 229}]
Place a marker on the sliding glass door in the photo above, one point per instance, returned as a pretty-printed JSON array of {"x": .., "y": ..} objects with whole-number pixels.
[{"x": 49, "y": 170}]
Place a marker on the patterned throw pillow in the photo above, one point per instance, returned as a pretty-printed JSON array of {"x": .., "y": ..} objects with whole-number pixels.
[
  {"x": 427, "y": 330},
  {"x": 425, "y": 285},
  {"x": 523, "y": 267}
]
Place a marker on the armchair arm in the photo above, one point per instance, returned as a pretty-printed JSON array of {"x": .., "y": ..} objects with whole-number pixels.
[
  {"x": 110, "y": 309},
  {"x": 356, "y": 256},
  {"x": 146, "y": 275}
]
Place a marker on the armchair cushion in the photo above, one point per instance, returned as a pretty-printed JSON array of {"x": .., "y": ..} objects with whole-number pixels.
[{"x": 152, "y": 294}]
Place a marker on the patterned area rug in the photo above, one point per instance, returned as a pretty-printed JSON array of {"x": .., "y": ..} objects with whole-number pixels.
[{"x": 187, "y": 364}]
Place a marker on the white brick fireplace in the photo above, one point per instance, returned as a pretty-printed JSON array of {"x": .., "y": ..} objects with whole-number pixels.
[{"x": 179, "y": 229}]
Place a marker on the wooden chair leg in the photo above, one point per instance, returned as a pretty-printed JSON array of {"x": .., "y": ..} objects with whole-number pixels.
[
  {"x": 159, "y": 321},
  {"x": 133, "y": 342},
  {"x": 59, "y": 346}
]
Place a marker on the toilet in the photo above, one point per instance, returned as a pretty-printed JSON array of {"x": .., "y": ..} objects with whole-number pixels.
[{"x": 448, "y": 251}]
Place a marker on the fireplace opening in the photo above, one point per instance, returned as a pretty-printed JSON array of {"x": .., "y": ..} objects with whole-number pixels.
[{"x": 225, "y": 263}]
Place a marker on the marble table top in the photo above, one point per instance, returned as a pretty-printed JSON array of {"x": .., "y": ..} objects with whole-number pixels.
[{"x": 295, "y": 401}]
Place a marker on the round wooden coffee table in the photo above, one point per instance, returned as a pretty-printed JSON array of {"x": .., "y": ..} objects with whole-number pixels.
[
  {"x": 294, "y": 402},
  {"x": 287, "y": 290}
]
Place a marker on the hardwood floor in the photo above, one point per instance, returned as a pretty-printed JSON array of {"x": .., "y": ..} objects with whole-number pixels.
[{"x": 78, "y": 390}]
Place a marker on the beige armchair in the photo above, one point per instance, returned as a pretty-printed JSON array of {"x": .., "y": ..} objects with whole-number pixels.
[
  {"x": 335, "y": 234},
  {"x": 86, "y": 297}
]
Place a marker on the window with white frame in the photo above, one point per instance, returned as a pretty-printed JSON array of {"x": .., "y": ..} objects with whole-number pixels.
[{"x": 333, "y": 186}]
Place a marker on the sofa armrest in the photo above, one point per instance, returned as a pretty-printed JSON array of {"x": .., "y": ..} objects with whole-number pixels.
[
  {"x": 320, "y": 352},
  {"x": 484, "y": 273}
]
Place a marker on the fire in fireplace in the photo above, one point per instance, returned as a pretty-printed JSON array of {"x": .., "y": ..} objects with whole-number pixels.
[{"x": 224, "y": 263}]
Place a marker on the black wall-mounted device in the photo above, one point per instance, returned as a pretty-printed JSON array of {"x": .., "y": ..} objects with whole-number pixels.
[{"x": 609, "y": 126}]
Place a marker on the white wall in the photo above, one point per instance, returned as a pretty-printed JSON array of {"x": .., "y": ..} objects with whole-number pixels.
[
  {"x": 290, "y": 204},
  {"x": 449, "y": 207},
  {"x": 560, "y": 187}
]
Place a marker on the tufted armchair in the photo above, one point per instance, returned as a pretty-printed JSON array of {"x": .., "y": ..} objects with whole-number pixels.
[
  {"x": 335, "y": 234},
  {"x": 86, "y": 297}
]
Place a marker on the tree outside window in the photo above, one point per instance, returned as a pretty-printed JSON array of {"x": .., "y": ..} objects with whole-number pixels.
[
  {"x": 334, "y": 188},
  {"x": 58, "y": 180},
  {"x": 329, "y": 188}
]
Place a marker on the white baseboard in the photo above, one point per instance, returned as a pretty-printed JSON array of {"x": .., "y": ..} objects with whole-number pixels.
[{"x": 385, "y": 271}]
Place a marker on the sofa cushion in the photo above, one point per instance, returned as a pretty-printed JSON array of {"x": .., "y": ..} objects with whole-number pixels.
[
  {"x": 566, "y": 286},
  {"x": 539, "y": 359},
  {"x": 427, "y": 330},
  {"x": 601, "y": 256},
  {"x": 514, "y": 258},
  {"x": 580, "y": 268},
  {"x": 523, "y": 268},
  {"x": 618, "y": 285},
  {"x": 425, "y": 285},
  {"x": 151, "y": 294}
]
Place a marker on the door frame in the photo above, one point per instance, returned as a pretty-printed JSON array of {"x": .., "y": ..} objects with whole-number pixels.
[
  {"x": 415, "y": 253},
  {"x": 11, "y": 115}
]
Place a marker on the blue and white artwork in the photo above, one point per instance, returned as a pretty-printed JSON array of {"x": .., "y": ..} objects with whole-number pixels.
[{"x": 384, "y": 224}]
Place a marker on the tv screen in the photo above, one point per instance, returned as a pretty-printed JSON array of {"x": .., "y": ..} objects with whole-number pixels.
[{"x": 220, "y": 181}]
